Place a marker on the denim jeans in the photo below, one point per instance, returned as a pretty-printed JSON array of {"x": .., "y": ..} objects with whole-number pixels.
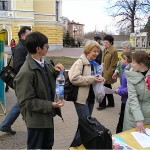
[
  {"x": 82, "y": 110},
  {"x": 11, "y": 117}
]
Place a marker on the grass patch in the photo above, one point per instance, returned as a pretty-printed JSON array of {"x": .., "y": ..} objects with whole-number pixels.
[{"x": 66, "y": 61}]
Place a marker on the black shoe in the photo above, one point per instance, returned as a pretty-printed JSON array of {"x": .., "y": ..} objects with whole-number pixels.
[
  {"x": 9, "y": 131},
  {"x": 6, "y": 88},
  {"x": 101, "y": 108},
  {"x": 110, "y": 106}
]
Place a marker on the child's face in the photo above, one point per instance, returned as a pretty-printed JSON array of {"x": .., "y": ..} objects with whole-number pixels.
[
  {"x": 123, "y": 61},
  {"x": 136, "y": 66}
]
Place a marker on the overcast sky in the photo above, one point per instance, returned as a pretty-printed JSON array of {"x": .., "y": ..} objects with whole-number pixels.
[{"x": 92, "y": 13}]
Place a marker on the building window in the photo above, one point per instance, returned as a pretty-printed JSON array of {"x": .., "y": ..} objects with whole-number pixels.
[
  {"x": 57, "y": 11},
  {"x": 3, "y": 5}
]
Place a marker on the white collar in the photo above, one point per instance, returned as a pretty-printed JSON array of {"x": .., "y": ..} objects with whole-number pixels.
[{"x": 41, "y": 63}]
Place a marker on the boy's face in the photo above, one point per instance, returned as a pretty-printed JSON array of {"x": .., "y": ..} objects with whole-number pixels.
[{"x": 43, "y": 51}]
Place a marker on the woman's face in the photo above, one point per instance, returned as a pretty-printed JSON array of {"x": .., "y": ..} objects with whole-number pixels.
[
  {"x": 125, "y": 49},
  {"x": 93, "y": 53},
  {"x": 107, "y": 44},
  {"x": 136, "y": 66}
]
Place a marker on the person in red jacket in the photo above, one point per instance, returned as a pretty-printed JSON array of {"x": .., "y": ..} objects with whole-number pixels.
[{"x": 12, "y": 45}]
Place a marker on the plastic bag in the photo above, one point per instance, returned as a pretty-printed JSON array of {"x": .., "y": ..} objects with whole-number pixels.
[{"x": 99, "y": 91}]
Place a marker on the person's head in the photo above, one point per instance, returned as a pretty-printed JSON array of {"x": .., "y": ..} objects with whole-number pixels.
[
  {"x": 24, "y": 32},
  {"x": 126, "y": 46},
  {"x": 140, "y": 60},
  {"x": 91, "y": 49},
  {"x": 108, "y": 41},
  {"x": 97, "y": 38},
  {"x": 37, "y": 42},
  {"x": 126, "y": 58},
  {"x": 13, "y": 40}
]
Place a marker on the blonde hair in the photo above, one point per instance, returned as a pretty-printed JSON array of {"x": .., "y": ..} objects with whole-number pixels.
[{"x": 89, "y": 45}]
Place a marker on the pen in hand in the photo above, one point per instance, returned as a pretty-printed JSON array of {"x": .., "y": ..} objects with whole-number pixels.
[{"x": 145, "y": 133}]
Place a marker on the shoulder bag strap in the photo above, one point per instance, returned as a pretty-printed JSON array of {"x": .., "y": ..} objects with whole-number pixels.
[
  {"x": 11, "y": 57},
  {"x": 10, "y": 60}
]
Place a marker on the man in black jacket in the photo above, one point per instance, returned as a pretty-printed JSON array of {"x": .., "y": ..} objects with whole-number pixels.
[
  {"x": 98, "y": 39},
  {"x": 19, "y": 57}
]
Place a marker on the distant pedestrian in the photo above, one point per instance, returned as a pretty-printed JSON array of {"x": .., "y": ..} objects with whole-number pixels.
[
  {"x": 110, "y": 60},
  {"x": 126, "y": 58},
  {"x": 79, "y": 44},
  {"x": 12, "y": 45}
]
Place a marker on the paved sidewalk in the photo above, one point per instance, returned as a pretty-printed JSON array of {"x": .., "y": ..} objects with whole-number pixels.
[{"x": 64, "y": 131}]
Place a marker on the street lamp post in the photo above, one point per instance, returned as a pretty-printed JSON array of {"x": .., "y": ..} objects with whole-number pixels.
[{"x": 74, "y": 31}]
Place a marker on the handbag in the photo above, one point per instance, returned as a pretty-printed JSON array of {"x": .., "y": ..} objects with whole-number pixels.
[
  {"x": 8, "y": 74},
  {"x": 70, "y": 90},
  {"x": 93, "y": 134}
]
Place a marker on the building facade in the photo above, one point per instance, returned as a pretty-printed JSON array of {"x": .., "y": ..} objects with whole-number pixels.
[
  {"x": 43, "y": 16},
  {"x": 76, "y": 30}
]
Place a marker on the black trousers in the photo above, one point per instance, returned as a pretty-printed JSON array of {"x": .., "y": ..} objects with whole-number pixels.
[
  {"x": 121, "y": 118},
  {"x": 110, "y": 98},
  {"x": 40, "y": 138}
]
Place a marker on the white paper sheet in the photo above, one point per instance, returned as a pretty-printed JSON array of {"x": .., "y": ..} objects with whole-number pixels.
[
  {"x": 142, "y": 139},
  {"x": 122, "y": 146},
  {"x": 108, "y": 90}
]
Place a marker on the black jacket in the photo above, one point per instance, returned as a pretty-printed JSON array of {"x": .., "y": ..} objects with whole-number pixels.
[
  {"x": 99, "y": 57},
  {"x": 19, "y": 55}
]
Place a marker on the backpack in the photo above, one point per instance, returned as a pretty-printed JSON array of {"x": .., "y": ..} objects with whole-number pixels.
[
  {"x": 93, "y": 134},
  {"x": 70, "y": 90}
]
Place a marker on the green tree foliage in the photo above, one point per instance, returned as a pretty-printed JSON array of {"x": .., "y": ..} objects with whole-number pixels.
[{"x": 66, "y": 39}]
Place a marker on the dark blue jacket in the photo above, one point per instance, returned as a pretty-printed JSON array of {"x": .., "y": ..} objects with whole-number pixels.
[{"x": 123, "y": 90}]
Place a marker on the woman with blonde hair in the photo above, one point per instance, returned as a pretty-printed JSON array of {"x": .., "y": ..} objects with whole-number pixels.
[{"x": 82, "y": 74}]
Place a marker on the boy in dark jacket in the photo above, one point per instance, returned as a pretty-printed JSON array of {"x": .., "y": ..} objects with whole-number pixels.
[{"x": 35, "y": 90}]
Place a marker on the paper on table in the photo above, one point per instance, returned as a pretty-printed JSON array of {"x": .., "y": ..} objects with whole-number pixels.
[
  {"x": 108, "y": 90},
  {"x": 142, "y": 139}
]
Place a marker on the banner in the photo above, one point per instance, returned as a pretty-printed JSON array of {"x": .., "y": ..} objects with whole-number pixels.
[{"x": 2, "y": 91}]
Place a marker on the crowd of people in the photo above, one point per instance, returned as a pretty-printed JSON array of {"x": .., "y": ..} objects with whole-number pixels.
[{"x": 34, "y": 86}]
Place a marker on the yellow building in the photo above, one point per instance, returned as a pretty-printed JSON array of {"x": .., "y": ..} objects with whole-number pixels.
[{"x": 41, "y": 15}]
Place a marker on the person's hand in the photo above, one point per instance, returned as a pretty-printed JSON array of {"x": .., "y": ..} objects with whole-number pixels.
[
  {"x": 140, "y": 126},
  {"x": 99, "y": 79},
  {"x": 58, "y": 104},
  {"x": 59, "y": 67},
  {"x": 114, "y": 76},
  {"x": 116, "y": 91}
]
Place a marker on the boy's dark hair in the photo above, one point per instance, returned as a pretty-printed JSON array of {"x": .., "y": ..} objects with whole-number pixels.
[
  {"x": 127, "y": 55},
  {"x": 34, "y": 40},
  {"x": 23, "y": 30},
  {"x": 97, "y": 37},
  {"x": 109, "y": 38},
  {"x": 141, "y": 57}
]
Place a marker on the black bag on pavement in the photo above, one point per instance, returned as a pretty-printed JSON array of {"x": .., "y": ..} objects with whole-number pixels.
[
  {"x": 7, "y": 74},
  {"x": 93, "y": 134},
  {"x": 70, "y": 90}
]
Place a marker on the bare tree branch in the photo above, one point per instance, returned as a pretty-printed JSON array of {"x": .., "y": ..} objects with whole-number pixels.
[{"x": 130, "y": 12}]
